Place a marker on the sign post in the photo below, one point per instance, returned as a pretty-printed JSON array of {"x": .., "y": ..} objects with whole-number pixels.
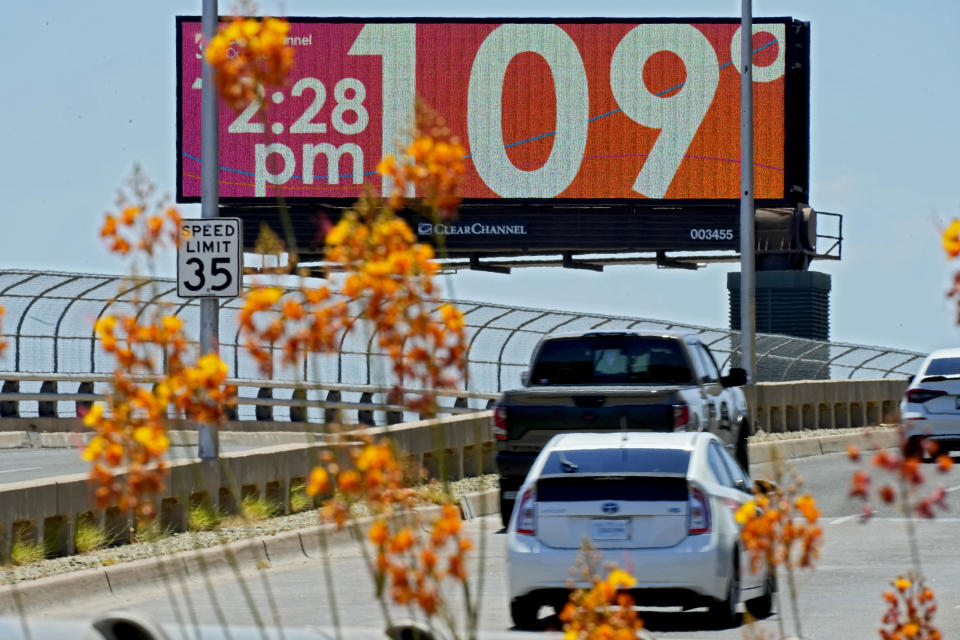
[
  {"x": 747, "y": 212},
  {"x": 208, "y": 444}
]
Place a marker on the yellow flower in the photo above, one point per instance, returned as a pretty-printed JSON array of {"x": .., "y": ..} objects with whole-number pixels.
[
  {"x": 620, "y": 578},
  {"x": 94, "y": 448},
  {"x": 93, "y": 416},
  {"x": 903, "y": 584},
  {"x": 105, "y": 326},
  {"x": 951, "y": 239},
  {"x": 747, "y": 511}
]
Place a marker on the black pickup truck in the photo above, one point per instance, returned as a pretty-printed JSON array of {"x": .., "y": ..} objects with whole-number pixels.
[{"x": 608, "y": 381}]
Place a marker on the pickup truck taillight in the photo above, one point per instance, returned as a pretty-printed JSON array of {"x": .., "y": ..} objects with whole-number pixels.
[
  {"x": 527, "y": 513},
  {"x": 681, "y": 416},
  {"x": 500, "y": 423}
]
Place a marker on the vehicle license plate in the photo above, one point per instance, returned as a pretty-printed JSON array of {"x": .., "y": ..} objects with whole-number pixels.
[
  {"x": 610, "y": 529},
  {"x": 509, "y": 495}
]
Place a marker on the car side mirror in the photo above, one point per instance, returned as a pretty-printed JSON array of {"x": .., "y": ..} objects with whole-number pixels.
[
  {"x": 736, "y": 378},
  {"x": 525, "y": 378}
]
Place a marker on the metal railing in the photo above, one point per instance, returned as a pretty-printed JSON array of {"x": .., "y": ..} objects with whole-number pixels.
[
  {"x": 70, "y": 395},
  {"x": 50, "y": 318}
]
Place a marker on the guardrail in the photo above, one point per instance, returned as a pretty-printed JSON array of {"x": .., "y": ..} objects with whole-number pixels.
[
  {"x": 50, "y": 509},
  {"x": 300, "y": 401},
  {"x": 775, "y": 406}
]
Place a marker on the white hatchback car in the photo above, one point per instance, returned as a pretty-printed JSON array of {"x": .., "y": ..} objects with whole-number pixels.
[
  {"x": 930, "y": 408},
  {"x": 660, "y": 505}
]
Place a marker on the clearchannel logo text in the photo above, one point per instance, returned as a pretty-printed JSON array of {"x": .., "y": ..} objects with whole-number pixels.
[{"x": 475, "y": 229}]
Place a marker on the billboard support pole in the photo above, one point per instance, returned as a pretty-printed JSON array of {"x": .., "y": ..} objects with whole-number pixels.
[
  {"x": 208, "y": 445},
  {"x": 747, "y": 212}
]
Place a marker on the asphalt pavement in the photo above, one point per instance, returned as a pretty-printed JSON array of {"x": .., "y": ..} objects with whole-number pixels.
[{"x": 841, "y": 598}]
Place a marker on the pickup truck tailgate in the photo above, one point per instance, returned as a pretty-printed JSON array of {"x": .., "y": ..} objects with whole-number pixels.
[{"x": 558, "y": 409}]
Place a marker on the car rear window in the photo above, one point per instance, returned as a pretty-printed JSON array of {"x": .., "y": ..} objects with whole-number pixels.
[
  {"x": 610, "y": 360},
  {"x": 580, "y": 488},
  {"x": 943, "y": 367},
  {"x": 614, "y": 461}
]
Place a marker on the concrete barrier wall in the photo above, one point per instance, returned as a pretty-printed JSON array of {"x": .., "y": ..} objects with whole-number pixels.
[
  {"x": 791, "y": 406},
  {"x": 49, "y": 509},
  {"x": 453, "y": 446}
]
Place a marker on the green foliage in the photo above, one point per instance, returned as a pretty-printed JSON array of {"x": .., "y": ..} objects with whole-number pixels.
[
  {"x": 299, "y": 500},
  {"x": 149, "y": 532},
  {"x": 90, "y": 536},
  {"x": 255, "y": 508},
  {"x": 26, "y": 551},
  {"x": 203, "y": 516}
]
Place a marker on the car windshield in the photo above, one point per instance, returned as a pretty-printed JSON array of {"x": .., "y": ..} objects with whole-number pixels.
[
  {"x": 943, "y": 367},
  {"x": 621, "y": 460},
  {"x": 610, "y": 360}
]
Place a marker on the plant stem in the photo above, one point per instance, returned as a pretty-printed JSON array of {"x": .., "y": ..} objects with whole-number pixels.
[{"x": 793, "y": 601}]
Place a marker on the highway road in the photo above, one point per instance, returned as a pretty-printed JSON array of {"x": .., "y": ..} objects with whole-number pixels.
[
  {"x": 17, "y": 465},
  {"x": 841, "y": 598}
]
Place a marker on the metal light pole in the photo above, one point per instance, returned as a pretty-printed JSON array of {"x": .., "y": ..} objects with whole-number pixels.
[
  {"x": 208, "y": 444},
  {"x": 747, "y": 213}
]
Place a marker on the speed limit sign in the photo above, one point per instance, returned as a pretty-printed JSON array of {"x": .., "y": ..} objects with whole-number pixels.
[{"x": 210, "y": 258}]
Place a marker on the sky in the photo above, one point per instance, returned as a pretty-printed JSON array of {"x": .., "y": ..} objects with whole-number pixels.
[{"x": 90, "y": 91}]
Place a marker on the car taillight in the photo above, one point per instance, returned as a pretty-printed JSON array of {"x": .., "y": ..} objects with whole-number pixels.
[
  {"x": 500, "y": 423},
  {"x": 699, "y": 512},
  {"x": 681, "y": 416},
  {"x": 527, "y": 513},
  {"x": 919, "y": 396}
]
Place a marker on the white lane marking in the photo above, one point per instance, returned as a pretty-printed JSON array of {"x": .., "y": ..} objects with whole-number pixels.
[
  {"x": 893, "y": 519},
  {"x": 20, "y": 469}
]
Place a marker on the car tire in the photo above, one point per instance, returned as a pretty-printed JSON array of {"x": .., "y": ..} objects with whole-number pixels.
[
  {"x": 762, "y": 606},
  {"x": 742, "y": 450},
  {"x": 525, "y": 614},
  {"x": 506, "y": 508},
  {"x": 724, "y": 612}
]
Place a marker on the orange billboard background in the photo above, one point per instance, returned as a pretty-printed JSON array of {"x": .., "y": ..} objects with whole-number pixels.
[{"x": 616, "y": 147}]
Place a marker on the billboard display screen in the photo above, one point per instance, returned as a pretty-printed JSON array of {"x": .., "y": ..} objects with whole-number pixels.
[{"x": 551, "y": 112}]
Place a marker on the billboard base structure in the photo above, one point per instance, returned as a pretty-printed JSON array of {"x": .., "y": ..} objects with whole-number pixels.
[{"x": 498, "y": 238}]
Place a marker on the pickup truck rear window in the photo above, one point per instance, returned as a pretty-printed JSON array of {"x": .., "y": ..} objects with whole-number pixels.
[
  {"x": 614, "y": 360},
  {"x": 625, "y": 460}
]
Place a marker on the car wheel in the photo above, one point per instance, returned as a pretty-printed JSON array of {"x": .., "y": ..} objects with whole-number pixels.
[
  {"x": 525, "y": 613},
  {"x": 742, "y": 449},
  {"x": 724, "y": 612},
  {"x": 506, "y": 508},
  {"x": 762, "y": 606}
]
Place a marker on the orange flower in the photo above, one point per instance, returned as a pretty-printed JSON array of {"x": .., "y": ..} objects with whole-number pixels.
[
  {"x": 319, "y": 482},
  {"x": 348, "y": 481},
  {"x": 378, "y": 532},
  {"x": 402, "y": 541},
  {"x": 944, "y": 462}
]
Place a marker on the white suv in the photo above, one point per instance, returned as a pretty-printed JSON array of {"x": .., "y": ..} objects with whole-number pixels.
[{"x": 930, "y": 408}]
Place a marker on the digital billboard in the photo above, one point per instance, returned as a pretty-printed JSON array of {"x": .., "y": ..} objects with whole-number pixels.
[{"x": 551, "y": 112}]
